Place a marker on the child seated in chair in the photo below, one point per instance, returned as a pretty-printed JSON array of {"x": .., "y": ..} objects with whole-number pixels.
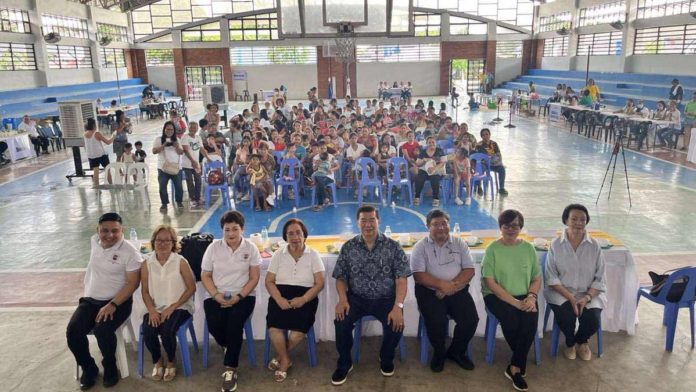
[
  {"x": 260, "y": 181},
  {"x": 473, "y": 105},
  {"x": 128, "y": 156},
  {"x": 382, "y": 158},
  {"x": 322, "y": 177},
  {"x": 462, "y": 174}
]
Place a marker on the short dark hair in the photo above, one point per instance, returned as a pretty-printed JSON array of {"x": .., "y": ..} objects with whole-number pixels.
[
  {"x": 128, "y": 145},
  {"x": 91, "y": 124},
  {"x": 110, "y": 217},
  {"x": 434, "y": 214},
  {"x": 367, "y": 209},
  {"x": 296, "y": 221},
  {"x": 202, "y": 123},
  {"x": 570, "y": 207},
  {"x": 232, "y": 217},
  {"x": 138, "y": 143},
  {"x": 506, "y": 217},
  {"x": 484, "y": 130}
]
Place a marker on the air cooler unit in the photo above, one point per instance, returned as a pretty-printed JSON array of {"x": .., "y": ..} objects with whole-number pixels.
[
  {"x": 215, "y": 93},
  {"x": 73, "y": 118}
]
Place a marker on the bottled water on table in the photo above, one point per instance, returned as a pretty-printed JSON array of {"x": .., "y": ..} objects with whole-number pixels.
[
  {"x": 387, "y": 231},
  {"x": 264, "y": 236},
  {"x": 456, "y": 230},
  {"x": 133, "y": 236}
]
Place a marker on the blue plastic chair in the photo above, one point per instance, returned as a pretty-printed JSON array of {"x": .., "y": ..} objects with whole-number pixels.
[
  {"x": 394, "y": 167},
  {"x": 446, "y": 184},
  {"x": 367, "y": 165},
  {"x": 311, "y": 348},
  {"x": 357, "y": 335},
  {"x": 223, "y": 188},
  {"x": 248, "y": 333},
  {"x": 669, "y": 318},
  {"x": 288, "y": 168},
  {"x": 422, "y": 337},
  {"x": 491, "y": 327},
  {"x": 333, "y": 194},
  {"x": 183, "y": 346},
  {"x": 482, "y": 173},
  {"x": 445, "y": 144}
]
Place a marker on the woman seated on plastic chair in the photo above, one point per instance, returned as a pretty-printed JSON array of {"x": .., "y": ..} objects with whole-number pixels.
[
  {"x": 511, "y": 283},
  {"x": 490, "y": 148},
  {"x": 261, "y": 183},
  {"x": 431, "y": 165},
  {"x": 230, "y": 272},
  {"x": 575, "y": 282},
  {"x": 167, "y": 288},
  {"x": 294, "y": 279}
]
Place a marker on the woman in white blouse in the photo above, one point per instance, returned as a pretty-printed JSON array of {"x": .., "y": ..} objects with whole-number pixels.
[
  {"x": 575, "y": 282},
  {"x": 230, "y": 272},
  {"x": 167, "y": 287},
  {"x": 294, "y": 279}
]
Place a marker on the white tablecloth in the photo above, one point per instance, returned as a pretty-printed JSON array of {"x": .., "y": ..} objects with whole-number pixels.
[
  {"x": 620, "y": 313},
  {"x": 18, "y": 146},
  {"x": 691, "y": 157}
]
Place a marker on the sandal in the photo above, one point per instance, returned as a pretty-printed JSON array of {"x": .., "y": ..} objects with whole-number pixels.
[
  {"x": 157, "y": 372},
  {"x": 280, "y": 375},
  {"x": 316, "y": 208},
  {"x": 273, "y": 364},
  {"x": 169, "y": 374}
]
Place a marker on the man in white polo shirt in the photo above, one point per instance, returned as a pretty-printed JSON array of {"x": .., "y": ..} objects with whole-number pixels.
[
  {"x": 29, "y": 126},
  {"x": 442, "y": 268},
  {"x": 113, "y": 274}
]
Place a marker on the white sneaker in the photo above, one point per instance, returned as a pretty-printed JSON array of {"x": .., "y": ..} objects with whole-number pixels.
[
  {"x": 467, "y": 201},
  {"x": 569, "y": 352},
  {"x": 245, "y": 197},
  {"x": 584, "y": 351},
  {"x": 271, "y": 200},
  {"x": 458, "y": 201}
]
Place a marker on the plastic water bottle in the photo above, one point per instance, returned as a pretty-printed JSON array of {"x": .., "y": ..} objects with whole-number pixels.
[
  {"x": 133, "y": 234},
  {"x": 387, "y": 231},
  {"x": 456, "y": 230},
  {"x": 264, "y": 236},
  {"x": 294, "y": 210}
]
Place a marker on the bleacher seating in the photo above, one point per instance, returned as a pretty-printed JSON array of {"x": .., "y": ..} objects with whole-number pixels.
[
  {"x": 42, "y": 102},
  {"x": 615, "y": 88}
]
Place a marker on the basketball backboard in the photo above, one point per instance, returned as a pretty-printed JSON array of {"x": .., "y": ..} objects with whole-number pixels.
[{"x": 352, "y": 12}]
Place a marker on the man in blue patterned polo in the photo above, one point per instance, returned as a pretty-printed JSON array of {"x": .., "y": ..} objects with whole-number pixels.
[{"x": 370, "y": 274}]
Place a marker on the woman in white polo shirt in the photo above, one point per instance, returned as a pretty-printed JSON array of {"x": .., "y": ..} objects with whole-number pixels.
[
  {"x": 167, "y": 288},
  {"x": 294, "y": 279},
  {"x": 230, "y": 273}
]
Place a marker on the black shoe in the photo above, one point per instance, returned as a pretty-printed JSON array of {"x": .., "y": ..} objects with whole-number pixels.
[
  {"x": 437, "y": 364},
  {"x": 88, "y": 378},
  {"x": 46, "y": 152},
  {"x": 340, "y": 376},
  {"x": 462, "y": 360},
  {"x": 229, "y": 381},
  {"x": 479, "y": 191},
  {"x": 517, "y": 380},
  {"x": 110, "y": 377},
  {"x": 387, "y": 369},
  {"x": 503, "y": 192}
]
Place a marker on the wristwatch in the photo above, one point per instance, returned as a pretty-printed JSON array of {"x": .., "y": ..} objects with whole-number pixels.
[{"x": 400, "y": 305}]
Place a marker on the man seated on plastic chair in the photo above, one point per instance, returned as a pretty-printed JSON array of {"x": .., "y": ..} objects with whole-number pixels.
[
  {"x": 576, "y": 282},
  {"x": 442, "y": 268},
  {"x": 490, "y": 148},
  {"x": 113, "y": 274},
  {"x": 370, "y": 273}
]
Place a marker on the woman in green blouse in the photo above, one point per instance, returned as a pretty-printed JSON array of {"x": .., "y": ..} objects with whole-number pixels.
[{"x": 511, "y": 283}]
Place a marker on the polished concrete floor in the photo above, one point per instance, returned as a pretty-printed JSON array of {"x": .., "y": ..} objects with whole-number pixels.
[{"x": 46, "y": 222}]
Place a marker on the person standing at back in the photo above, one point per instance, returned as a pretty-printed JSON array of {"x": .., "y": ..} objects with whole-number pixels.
[
  {"x": 677, "y": 92},
  {"x": 96, "y": 155}
]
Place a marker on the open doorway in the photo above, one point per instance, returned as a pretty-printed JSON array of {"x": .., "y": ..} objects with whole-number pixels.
[{"x": 466, "y": 75}]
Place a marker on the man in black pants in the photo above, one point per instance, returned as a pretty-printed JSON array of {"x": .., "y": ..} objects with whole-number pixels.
[
  {"x": 3, "y": 148},
  {"x": 113, "y": 274},
  {"x": 370, "y": 274},
  {"x": 442, "y": 268}
]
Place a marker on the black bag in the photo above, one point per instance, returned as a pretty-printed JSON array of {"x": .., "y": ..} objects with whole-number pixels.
[
  {"x": 675, "y": 292},
  {"x": 193, "y": 248}
]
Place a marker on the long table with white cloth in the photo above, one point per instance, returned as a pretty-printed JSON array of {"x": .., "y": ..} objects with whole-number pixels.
[{"x": 619, "y": 315}]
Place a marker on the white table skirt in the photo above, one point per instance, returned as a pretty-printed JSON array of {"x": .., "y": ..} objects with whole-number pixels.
[
  {"x": 691, "y": 156},
  {"x": 19, "y": 146},
  {"x": 620, "y": 313}
]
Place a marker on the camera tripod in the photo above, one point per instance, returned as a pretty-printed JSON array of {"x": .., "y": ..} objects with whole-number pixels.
[{"x": 618, "y": 147}]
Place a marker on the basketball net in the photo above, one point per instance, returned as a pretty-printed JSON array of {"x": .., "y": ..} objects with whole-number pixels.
[{"x": 345, "y": 49}]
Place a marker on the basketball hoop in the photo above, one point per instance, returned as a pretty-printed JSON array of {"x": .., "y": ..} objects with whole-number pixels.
[{"x": 345, "y": 49}]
